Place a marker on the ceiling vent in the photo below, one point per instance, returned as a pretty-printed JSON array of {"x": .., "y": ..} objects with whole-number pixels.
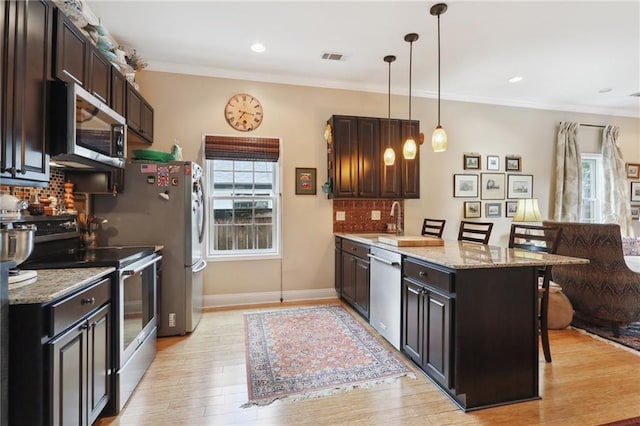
[
  {"x": 637, "y": 94},
  {"x": 332, "y": 56}
]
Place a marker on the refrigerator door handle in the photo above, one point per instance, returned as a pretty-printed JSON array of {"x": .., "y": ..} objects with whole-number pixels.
[{"x": 200, "y": 266}]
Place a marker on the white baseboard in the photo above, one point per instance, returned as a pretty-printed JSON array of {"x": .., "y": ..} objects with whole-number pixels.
[{"x": 220, "y": 300}]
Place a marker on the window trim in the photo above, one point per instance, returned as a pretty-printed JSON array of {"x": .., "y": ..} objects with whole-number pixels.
[
  {"x": 234, "y": 255},
  {"x": 599, "y": 190}
]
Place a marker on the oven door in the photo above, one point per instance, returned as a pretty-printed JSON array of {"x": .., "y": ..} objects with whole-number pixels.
[{"x": 137, "y": 305}]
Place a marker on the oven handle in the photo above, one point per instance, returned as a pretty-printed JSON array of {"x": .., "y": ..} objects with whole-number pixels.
[
  {"x": 143, "y": 267},
  {"x": 201, "y": 265}
]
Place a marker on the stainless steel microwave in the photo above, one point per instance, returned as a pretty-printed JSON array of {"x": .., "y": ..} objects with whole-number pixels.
[{"x": 85, "y": 132}]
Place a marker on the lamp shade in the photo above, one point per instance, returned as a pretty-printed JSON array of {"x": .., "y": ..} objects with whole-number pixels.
[
  {"x": 389, "y": 157},
  {"x": 439, "y": 139},
  {"x": 409, "y": 149},
  {"x": 528, "y": 211}
]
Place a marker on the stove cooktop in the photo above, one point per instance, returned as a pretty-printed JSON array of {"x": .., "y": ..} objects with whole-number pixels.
[{"x": 89, "y": 257}]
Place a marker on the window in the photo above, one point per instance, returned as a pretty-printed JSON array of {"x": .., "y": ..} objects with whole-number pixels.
[
  {"x": 243, "y": 198},
  {"x": 592, "y": 188}
]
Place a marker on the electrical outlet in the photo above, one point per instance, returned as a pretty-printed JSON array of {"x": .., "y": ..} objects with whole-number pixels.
[
  {"x": 375, "y": 214},
  {"x": 172, "y": 319},
  {"x": 340, "y": 216}
]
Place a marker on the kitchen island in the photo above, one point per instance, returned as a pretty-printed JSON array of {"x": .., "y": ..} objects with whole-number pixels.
[{"x": 469, "y": 317}]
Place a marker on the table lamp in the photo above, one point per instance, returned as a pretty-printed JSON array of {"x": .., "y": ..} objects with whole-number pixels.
[{"x": 527, "y": 210}]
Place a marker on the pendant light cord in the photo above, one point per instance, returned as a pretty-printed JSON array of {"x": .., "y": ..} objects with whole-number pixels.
[
  {"x": 438, "y": 70},
  {"x": 410, "y": 67},
  {"x": 389, "y": 109}
]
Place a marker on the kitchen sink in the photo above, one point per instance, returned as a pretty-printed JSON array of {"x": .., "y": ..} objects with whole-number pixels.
[{"x": 410, "y": 240}]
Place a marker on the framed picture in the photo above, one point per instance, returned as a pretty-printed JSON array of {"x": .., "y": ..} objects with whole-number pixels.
[
  {"x": 493, "y": 162},
  {"x": 635, "y": 212},
  {"x": 465, "y": 186},
  {"x": 493, "y": 209},
  {"x": 521, "y": 186},
  {"x": 492, "y": 186},
  {"x": 510, "y": 208},
  {"x": 633, "y": 171},
  {"x": 471, "y": 161},
  {"x": 472, "y": 209},
  {"x": 305, "y": 180},
  {"x": 635, "y": 191},
  {"x": 512, "y": 163}
]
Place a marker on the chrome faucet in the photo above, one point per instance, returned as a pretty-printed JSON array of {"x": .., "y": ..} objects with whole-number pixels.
[{"x": 399, "y": 218}]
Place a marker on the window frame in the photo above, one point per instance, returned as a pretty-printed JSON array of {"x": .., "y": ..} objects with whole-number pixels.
[
  {"x": 252, "y": 254},
  {"x": 598, "y": 180}
]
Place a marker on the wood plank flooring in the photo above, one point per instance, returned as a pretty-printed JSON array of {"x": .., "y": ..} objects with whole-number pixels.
[{"x": 200, "y": 379}]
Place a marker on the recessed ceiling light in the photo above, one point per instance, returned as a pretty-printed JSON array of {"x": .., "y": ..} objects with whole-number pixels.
[
  {"x": 605, "y": 90},
  {"x": 515, "y": 79},
  {"x": 258, "y": 47}
]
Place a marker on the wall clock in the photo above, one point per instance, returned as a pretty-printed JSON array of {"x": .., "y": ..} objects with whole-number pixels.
[{"x": 243, "y": 112}]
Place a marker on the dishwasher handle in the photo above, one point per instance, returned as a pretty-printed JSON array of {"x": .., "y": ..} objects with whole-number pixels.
[{"x": 388, "y": 262}]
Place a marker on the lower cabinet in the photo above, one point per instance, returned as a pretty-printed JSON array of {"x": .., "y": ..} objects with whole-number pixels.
[
  {"x": 60, "y": 358},
  {"x": 354, "y": 275}
]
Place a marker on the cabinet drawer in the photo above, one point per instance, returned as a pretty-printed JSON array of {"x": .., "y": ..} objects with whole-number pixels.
[
  {"x": 68, "y": 311},
  {"x": 429, "y": 275},
  {"x": 356, "y": 249}
]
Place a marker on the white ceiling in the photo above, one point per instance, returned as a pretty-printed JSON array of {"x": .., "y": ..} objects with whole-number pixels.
[{"x": 567, "y": 51}]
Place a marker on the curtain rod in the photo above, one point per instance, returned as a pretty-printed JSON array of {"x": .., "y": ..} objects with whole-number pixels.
[{"x": 591, "y": 125}]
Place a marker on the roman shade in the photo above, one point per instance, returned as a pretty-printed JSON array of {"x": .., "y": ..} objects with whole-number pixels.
[{"x": 241, "y": 148}]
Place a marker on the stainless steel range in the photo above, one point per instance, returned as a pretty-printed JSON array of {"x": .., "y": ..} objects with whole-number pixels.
[{"x": 134, "y": 295}]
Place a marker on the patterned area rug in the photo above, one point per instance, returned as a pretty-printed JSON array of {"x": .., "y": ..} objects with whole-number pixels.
[
  {"x": 313, "y": 351},
  {"x": 629, "y": 336}
]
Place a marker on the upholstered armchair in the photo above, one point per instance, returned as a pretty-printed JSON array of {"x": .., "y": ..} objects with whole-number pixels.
[{"x": 605, "y": 290}]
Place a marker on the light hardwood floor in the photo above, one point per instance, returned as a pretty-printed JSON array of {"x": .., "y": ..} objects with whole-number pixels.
[{"x": 200, "y": 379}]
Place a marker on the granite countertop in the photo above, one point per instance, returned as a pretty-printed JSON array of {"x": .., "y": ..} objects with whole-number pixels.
[
  {"x": 52, "y": 284},
  {"x": 466, "y": 255}
]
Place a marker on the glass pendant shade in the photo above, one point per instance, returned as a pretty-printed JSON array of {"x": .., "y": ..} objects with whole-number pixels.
[
  {"x": 409, "y": 149},
  {"x": 389, "y": 157},
  {"x": 439, "y": 139}
]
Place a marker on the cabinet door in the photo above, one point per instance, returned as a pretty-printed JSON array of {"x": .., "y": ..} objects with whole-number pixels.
[
  {"x": 345, "y": 146},
  {"x": 348, "y": 277},
  {"x": 99, "y": 362},
  {"x": 28, "y": 71},
  {"x": 99, "y": 75},
  {"x": 71, "y": 52},
  {"x": 411, "y": 168},
  {"x": 338, "y": 269},
  {"x": 69, "y": 377},
  {"x": 146, "y": 127},
  {"x": 412, "y": 324},
  {"x": 362, "y": 284},
  {"x": 390, "y": 176},
  {"x": 118, "y": 92},
  {"x": 437, "y": 339},
  {"x": 368, "y": 157},
  {"x": 134, "y": 109}
]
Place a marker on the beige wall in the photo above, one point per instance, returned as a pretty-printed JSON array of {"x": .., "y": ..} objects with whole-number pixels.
[{"x": 188, "y": 106}]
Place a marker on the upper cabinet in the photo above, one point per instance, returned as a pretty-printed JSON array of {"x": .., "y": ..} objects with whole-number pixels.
[
  {"x": 139, "y": 115},
  {"x": 71, "y": 51},
  {"x": 27, "y": 36},
  {"x": 355, "y": 166}
]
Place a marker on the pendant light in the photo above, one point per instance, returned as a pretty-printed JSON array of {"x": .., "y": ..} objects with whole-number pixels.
[
  {"x": 410, "y": 148},
  {"x": 389, "y": 154},
  {"x": 439, "y": 136}
]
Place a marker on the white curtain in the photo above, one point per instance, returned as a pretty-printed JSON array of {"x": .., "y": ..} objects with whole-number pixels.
[
  {"x": 616, "y": 206},
  {"x": 568, "y": 191}
]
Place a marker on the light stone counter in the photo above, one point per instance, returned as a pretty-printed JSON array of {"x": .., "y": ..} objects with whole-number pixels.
[
  {"x": 466, "y": 255},
  {"x": 52, "y": 284}
]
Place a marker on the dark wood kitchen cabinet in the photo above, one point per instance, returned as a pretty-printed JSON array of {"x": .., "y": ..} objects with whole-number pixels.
[
  {"x": 427, "y": 316},
  {"x": 26, "y": 70},
  {"x": 338, "y": 265},
  {"x": 355, "y": 276},
  {"x": 60, "y": 358},
  {"x": 118, "y": 91},
  {"x": 139, "y": 115},
  {"x": 78, "y": 61},
  {"x": 354, "y": 158}
]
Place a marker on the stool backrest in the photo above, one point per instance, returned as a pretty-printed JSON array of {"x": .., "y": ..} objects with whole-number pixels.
[
  {"x": 433, "y": 227},
  {"x": 477, "y": 232}
]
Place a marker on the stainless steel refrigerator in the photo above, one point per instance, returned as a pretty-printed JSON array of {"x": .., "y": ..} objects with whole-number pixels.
[{"x": 162, "y": 204}]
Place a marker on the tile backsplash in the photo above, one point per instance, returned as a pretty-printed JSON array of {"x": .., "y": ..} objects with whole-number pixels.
[
  {"x": 55, "y": 188},
  {"x": 358, "y": 213}
]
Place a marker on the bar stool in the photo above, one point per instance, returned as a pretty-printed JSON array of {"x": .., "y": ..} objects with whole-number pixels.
[
  {"x": 477, "y": 232},
  {"x": 433, "y": 227}
]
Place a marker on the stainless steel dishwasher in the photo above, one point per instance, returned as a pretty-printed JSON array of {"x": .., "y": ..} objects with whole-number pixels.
[{"x": 386, "y": 290}]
